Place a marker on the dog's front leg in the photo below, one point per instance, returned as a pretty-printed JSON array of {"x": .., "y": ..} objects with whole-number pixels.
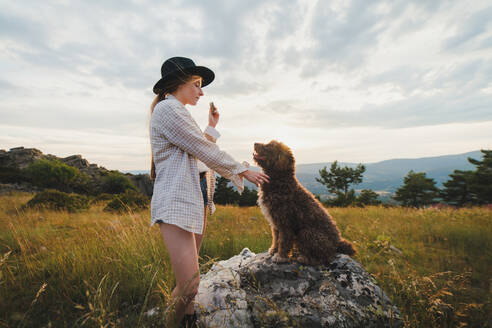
[
  {"x": 285, "y": 243},
  {"x": 274, "y": 248}
]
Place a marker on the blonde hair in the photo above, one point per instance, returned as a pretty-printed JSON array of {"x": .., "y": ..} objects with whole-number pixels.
[{"x": 172, "y": 87}]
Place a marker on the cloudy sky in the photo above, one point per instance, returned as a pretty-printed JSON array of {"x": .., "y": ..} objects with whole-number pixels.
[{"x": 354, "y": 81}]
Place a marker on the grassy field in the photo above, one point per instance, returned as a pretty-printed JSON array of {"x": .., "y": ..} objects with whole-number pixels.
[{"x": 96, "y": 269}]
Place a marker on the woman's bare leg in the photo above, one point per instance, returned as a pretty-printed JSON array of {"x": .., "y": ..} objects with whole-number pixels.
[
  {"x": 190, "y": 308},
  {"x": 181, "y": 246}
]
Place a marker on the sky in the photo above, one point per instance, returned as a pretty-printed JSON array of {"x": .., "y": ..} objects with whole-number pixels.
[{"x": 353, "y": 81}]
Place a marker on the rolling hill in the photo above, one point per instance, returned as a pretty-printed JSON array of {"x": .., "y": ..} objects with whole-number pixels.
[{"x": 385, "y": 176}]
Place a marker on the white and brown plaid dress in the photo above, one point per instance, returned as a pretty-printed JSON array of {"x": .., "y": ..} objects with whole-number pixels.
[{"x": 177, "y": 142}]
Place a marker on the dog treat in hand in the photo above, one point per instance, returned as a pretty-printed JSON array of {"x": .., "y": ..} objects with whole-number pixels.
[{"x": 214, "y": 109}]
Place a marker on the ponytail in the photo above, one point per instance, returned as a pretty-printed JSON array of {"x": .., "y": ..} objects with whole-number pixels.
[{"x": 157, "y": 98}]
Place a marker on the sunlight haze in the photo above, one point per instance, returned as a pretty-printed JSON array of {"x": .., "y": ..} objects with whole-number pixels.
[{"x": 352, "y": 81}]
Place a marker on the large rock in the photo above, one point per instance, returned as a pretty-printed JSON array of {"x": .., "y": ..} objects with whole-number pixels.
[
  {"x": 250, "y": 290},
  {"x": 19, "y": 157}
]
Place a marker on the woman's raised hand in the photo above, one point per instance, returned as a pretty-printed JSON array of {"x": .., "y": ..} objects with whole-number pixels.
[
  {"x": 213, "y": 115},
  {"x": 257, "y": 178}
]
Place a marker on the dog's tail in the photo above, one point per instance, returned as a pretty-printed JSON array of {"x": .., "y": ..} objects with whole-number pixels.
[{"x": 345, "y": 247}]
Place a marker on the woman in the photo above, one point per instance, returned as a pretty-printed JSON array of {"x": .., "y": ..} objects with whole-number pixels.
[{"x": 181, "y": 194}]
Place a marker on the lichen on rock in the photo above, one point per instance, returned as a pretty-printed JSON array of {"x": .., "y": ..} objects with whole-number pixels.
[{"x": 250, "y": 290}]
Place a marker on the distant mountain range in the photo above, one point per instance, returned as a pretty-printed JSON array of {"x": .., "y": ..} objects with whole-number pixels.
[{"x": 385, "y": 176}]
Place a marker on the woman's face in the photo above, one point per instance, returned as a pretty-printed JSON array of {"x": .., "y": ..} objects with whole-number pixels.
[{"x": 191, "y": 91}]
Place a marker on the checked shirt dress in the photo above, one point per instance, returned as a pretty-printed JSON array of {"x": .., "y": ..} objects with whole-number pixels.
[{"x": 177, "y": 144}]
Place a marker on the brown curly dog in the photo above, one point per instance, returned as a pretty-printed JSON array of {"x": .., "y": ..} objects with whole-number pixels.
[{"x": 302, "y": 229}]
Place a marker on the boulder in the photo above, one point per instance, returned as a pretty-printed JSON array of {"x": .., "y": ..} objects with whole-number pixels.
[
  {"x": 19, "y": 157},
  {"x": 250, "y": 290}
]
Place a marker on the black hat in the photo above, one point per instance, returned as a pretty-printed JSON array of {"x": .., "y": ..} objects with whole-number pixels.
[{"x": 178, "y": 67}]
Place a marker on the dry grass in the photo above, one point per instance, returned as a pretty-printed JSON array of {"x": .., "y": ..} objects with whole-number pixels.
[{"x": 98, "y": 269}]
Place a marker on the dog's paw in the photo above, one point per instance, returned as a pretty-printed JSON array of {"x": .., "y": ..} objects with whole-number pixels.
[
  {"x": 272, "y": 250},
  {"x": 279, "y": 259}
]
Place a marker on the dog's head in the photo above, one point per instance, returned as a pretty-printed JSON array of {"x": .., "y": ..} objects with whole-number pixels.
[{"x": 274, "y": 157}]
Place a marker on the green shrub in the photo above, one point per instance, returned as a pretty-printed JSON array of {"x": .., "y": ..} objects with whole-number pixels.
[
  {"x": 129, "y": 200},
  {"x": 367, "y": 197},
  {"x": 57, "y": 175},
  {"x": 116, "y": 183},
  {"x": 224, "y": 193},
  {"x": 342, "y": 200},
  {"x": 249, "y": 197},
  {"x": 104, "y": 197},
  {"x": 58, "y": 200},
  {"x": 10, "y": 174}
]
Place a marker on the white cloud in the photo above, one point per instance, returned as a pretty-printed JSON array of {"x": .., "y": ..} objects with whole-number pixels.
[
  {"x": 113, "y": 151},
  {"x": 342, "y": 78}
]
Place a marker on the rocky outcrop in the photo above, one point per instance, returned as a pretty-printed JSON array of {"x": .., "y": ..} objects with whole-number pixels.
[
  {"x": 21, "y": 157},
  {"x": 250, "y": 290}
]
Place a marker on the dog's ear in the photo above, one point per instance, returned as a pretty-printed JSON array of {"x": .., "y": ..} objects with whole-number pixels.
[{"x": 284, "y": 161}]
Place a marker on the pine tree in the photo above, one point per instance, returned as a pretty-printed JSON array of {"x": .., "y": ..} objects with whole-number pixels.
[
  {"x": 481, "y": 184},
  {"x": 417, "y": 190},
  {"x": 457, "y": 190},
  {"x": 338, "y": 181}
]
